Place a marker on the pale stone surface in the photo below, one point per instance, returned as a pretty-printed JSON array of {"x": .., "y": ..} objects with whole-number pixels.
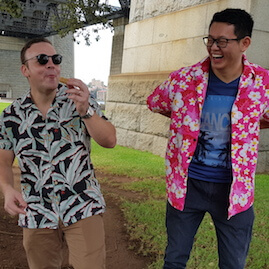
[
  {"x": 140, "y": 141},
  {"x": 154, "y": 123},
  {"x": 128, "y": 115},
  {"x": 133, "y": 89},
  {"x": 263, "y": 144},
  {"x": 65, "y": 47},
  {"x": 137, "y": 118},
  {"x": 166, "y": 43},
  {"x": 135, "y": 36},
  {"x": 11, "y": 43},
  {"x": 259, "y": 10},
  {"x": 263, "y": 160},
  {"x": 257, "y": 53},
  {"x": 144, "y": 9}
]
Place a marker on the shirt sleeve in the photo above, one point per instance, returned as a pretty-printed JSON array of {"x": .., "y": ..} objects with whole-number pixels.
[
  {"x": 5, "y": 142},
  {"x": 161, "y": 98},
  {"x": 265, "y": 115}
]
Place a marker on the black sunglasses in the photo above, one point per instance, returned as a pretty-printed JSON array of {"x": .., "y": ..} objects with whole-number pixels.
[{"x": 43, "y": 59}]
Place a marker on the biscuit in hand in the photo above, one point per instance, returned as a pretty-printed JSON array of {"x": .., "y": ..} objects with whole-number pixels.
[{"x": 63, "y": 80}]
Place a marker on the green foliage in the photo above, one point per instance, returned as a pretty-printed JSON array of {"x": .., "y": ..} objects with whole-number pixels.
[
  {"x": 74, "y": 16},
  {"x": 12, "y": 7}
]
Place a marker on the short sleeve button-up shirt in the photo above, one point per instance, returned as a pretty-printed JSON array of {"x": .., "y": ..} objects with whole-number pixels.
[
  {"x": 183, "y": 95},
  {"x": 57, "y": 176}
]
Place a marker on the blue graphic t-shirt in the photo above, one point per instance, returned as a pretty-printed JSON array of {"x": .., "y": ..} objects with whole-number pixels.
[{"x": 212, "y": 157}]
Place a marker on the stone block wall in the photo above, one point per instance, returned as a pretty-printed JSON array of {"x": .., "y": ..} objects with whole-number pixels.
[
  {"x": 137, "y": 127},
  {"x": 10, "y": 76}
]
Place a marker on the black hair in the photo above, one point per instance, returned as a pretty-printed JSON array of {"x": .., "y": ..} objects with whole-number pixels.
[
  {"x": 30, "y": 43},
  {"x": 242, "y": 21}
]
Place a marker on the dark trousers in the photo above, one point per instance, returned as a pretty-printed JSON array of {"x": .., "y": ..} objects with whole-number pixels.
[{"x": 233, "y": 235}]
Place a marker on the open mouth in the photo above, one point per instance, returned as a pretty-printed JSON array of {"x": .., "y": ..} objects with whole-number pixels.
[{"x": 217, "y": 56}]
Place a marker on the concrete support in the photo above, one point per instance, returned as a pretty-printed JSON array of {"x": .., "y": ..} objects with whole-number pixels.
[{"x": 117, "y": 47}]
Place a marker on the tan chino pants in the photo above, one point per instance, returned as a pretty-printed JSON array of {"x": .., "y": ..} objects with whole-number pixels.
[{"x": 46, "y": 248}]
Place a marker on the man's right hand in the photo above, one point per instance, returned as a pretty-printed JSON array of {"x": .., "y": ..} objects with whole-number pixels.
[{"x": 14, "y": 203}]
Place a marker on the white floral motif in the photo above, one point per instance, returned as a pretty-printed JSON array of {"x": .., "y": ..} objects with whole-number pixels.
[
  {"x": 235, "y": 199},
  {"x": 177, "y": 102},
  {"x": 194, "y": 125},
  {"x": 236, "y": 114},
  {"x": 187, "y": 120},
  {"x": 156, "y": 98},
  {"x": 243, "y": 199},
  {"x": 243, "y": 151},
  {"x": 183, "y": 85},
  {"x": 168, "y": 167},
  {"x": 258, "y": 82},
  {"x": 179, "y": 193},
  {"x": 192, "y": 101}
]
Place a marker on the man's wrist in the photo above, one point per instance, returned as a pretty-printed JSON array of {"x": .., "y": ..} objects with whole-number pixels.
[{"x": 89, "y": 113}]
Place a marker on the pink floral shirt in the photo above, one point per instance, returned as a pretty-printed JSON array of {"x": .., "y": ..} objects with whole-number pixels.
[{"x": 183, "y": 95}]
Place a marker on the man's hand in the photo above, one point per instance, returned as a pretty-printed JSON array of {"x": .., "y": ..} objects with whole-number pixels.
[
  {"x": 264, "y": 124},
  {"x": 14, "y": 203},
  {"x": 102, "y": 131},
  {"x": 79, "y": 93}
]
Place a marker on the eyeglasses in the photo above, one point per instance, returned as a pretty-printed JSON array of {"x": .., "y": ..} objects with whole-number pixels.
[
  {"x": 43, "y": 59},
  {"x": 221, "y": 42}
]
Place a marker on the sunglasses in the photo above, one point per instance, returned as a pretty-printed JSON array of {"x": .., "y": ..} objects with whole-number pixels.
[{"x": 43, "y": 59}]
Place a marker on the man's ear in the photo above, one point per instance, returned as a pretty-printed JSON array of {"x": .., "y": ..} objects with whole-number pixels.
[
  {"x": 246, "y": 41},
  {"x": 25, "y": 70}
]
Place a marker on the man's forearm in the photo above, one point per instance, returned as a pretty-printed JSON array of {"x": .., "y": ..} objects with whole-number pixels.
[
  {"x": 6, "y": 178},
  {"x": 102, "y": 131},
  {"x": 264, "y": 124}
]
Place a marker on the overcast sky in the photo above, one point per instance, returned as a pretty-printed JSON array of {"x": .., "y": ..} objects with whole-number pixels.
[{"x": 93, "y": 62}]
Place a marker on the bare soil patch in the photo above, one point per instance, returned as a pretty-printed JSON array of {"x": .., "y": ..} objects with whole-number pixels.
[{"x": 119, "y": 256}]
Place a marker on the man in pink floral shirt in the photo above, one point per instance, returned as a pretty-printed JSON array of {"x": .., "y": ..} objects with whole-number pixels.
[{"x": 217, "y": 108}]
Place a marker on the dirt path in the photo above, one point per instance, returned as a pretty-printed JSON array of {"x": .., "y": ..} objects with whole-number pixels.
[{"x": 12, "y": 255}]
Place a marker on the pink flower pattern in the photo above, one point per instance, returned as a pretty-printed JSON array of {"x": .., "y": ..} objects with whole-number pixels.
[{"x": 183, "y": 94}]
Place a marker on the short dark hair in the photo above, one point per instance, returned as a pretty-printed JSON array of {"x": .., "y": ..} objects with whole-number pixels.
[
  {"x": 29, "y": 44},
  {"x": 242, "y": 21}
]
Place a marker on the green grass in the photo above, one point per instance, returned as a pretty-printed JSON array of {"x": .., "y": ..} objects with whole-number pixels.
[
  {"x": 3, "y": 106},
  {"x": 125, "y": 161}
]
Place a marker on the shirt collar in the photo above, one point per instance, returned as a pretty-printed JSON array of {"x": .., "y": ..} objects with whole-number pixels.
[{"x": 27, "y": 102}]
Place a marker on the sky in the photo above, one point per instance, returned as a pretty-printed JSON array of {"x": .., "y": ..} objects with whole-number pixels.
[{"x": 93, "y": 62}]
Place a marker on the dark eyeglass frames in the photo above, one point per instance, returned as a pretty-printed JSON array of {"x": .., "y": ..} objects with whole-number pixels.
[
  {"x": 220, "y": 42},
  {"x": 43, "y": 59}
]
